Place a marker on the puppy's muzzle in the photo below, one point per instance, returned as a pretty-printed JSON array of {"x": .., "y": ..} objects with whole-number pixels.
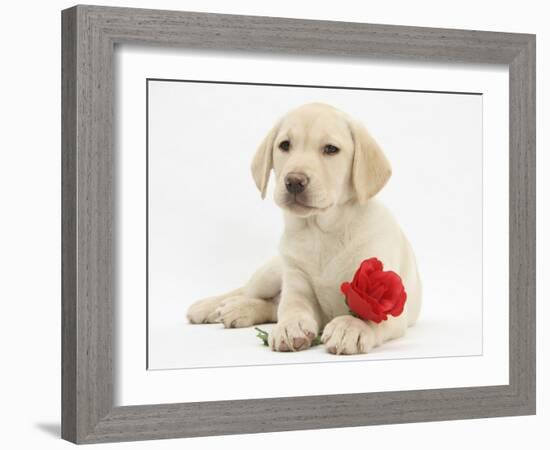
[{"x": 296, "y": 183}]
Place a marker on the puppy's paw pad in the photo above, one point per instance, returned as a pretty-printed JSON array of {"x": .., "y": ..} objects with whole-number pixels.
[
  {"x": 299, "y": 342},
  {"x": 293, "y": 335},
  {"x": 348, "y": 335},
  {"x": 283, "y": 347}
]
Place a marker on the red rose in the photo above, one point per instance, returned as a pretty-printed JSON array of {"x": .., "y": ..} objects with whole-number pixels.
[{"x": 373, "y": 293}]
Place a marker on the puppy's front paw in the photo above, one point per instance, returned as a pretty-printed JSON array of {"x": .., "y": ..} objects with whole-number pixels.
[
  {"x": 348, "y": 335},
  {"x": 292, "y": 335}
]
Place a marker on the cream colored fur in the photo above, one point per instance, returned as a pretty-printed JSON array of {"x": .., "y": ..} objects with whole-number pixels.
[{"x": 329, "y": 229}]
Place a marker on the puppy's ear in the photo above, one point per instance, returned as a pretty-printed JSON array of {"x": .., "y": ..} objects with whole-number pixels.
[
  {"x": 263, "y": 161},
  {"x": 371, "y": 169}
]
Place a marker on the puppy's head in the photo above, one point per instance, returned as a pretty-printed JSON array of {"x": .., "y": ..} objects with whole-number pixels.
[{"x": 321, "y": 158}]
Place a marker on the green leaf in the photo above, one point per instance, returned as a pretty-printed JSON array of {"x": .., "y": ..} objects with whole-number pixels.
[
  {"x": 263, "y": 335},
  {"x": 317, "y": 340}
]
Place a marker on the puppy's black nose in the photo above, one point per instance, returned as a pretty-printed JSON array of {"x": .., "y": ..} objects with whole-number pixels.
[{"x": 296, "y": 182}]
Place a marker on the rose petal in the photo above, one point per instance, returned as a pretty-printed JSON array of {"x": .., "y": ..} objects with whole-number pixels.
[
  {"x": 400, "y": 304},
  {"x": 378, "y": 292},
  {"x": 362, "y": 282},
  {"x": 371, "y": 265},
  {"x": 345, "y": 287},
  {"x": 387, "y": 305},
  {"x": 363, "y": 308}
]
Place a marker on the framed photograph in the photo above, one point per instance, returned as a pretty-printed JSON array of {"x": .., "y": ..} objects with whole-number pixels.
[{"x": 278, "y": 224}]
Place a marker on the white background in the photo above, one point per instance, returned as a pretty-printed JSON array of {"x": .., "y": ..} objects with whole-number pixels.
[
  {"x": 439, "y": 327},
  {"x": 209, "y": 229},
  {"x": 134, "y": 385},
  {"x": 448, "y": 318},
  {"x": 30, "y": 228}
]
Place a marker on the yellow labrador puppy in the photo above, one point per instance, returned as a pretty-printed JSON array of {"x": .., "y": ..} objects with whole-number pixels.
[{"x": 327, "y": 169}]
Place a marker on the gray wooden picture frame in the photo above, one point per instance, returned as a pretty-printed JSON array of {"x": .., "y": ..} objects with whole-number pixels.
[{"x": 89, "y": 35}]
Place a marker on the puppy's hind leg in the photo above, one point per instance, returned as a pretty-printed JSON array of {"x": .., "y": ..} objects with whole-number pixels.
[
  {"x": 256, "y": 302},
  {"x": 242, "y": 311},
  {"x": 202, "y": 310}
]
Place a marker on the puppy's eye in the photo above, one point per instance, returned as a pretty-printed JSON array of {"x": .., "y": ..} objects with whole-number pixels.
[
  {"x": 330, "y": 149},
  {"x": 285, "y": 145}
]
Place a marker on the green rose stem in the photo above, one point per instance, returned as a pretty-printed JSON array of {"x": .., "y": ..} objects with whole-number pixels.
[{"x": 264, "y": 335}]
